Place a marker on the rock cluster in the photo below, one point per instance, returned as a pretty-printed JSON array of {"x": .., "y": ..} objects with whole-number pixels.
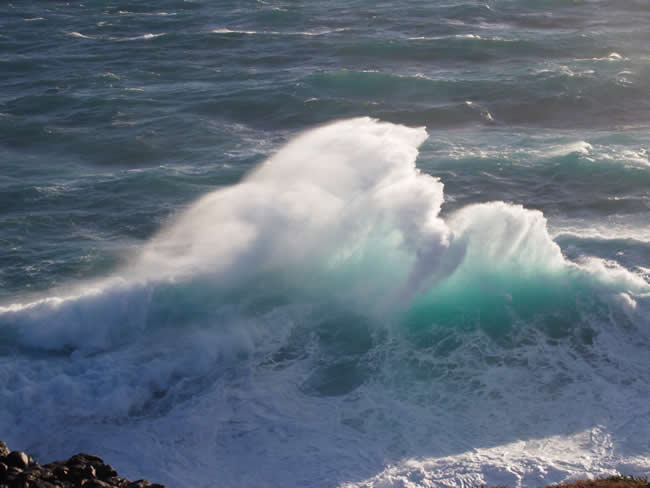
[{"x": 18, "y": 470}]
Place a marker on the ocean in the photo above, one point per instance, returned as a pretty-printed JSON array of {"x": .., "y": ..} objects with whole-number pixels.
[{"x": 262, "y": 243}]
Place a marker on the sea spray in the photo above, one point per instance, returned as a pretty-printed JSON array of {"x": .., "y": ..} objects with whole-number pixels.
[
  {"x": 327, "y": 281},
  {"x": 341, "y": 210}
]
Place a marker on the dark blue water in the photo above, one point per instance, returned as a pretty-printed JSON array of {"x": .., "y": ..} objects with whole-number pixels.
[{"x": 447, "y": 251}]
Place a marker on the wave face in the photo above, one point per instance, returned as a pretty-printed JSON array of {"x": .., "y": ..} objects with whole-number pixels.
[{"x": 324, "y": 322}]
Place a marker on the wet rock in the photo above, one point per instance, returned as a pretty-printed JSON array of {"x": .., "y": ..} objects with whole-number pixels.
[
  {"x": 61, "y": 472},
  {"x": 139, "y": 484},
  {"x": 16, "y": 483},
  {"x": 85, "y": 459},
  {"x": 89, "y": 472},
  {"x": 13, "y": 472},
  {"x": 115, "y": 481},
  {"x": 94, "y": 483},
  {"x": 105, "y": 471},
  {"x": 76, "y": 472},
  {"x": 18, "y": 459},
  {"x": 18, "y": 470},
  {"x": 26, "y": 477},
  {"x": 39, "y": 483},
  {"x": 4, "y": 450},
  {"x": 45, "y": 473}
]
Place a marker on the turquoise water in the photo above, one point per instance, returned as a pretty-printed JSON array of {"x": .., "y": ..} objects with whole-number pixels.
[{"x": 327, "y": 244}]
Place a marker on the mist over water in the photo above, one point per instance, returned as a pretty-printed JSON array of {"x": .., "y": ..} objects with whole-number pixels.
[{"x": 327, "y": 245}]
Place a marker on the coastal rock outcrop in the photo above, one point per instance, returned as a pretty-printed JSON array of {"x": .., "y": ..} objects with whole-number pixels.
[{"x": 18, "y": 470}]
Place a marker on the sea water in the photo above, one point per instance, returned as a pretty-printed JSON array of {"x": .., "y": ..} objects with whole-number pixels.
[{"x": 327, "y": 244}]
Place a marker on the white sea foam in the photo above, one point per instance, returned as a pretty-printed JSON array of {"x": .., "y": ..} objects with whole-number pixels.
[
  {"x": 614, "y": 56},
  {"x": 596, "y": 231},
  {"x": 206, "y": 387},
  {"x": 359, "y": 197},
  {"x": 146, "y": 36},
  {"x": 78, "y": 34},
  {"x": 225, "y": 30},
  {"x": 459, "y": 36},
  {"x": 629, "y": 157},
  {"x": 565, "y": 71},
  {"x": 485, "y": 113},
  {"x": 579, "y": 147},
  {"x": 157, "y": 14},
  {"x": 110, "y": 75},
  {"x": 528, "y": 463}
]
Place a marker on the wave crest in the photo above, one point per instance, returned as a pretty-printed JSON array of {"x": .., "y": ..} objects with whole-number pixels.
[{"x": 341, "y": 214}]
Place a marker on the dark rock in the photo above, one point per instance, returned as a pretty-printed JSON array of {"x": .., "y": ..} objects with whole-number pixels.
[
  {"x": 18, "y": 459},
  {"x": 75, "y": 466},
  {"x": 105, "y": 471},
  {"x": 96, "y": 484},
  {"x": 113, "y": 480},
  {"x": 139, "y": 484},
  {"x": 13, "y": 472},
  {"x": 89, "y": 472},
  {"x": 26, "y": 476},
  {"x": 39, "y": 483},
  {"x": 83, "y": 458},
  {"x": 76, "y": 473},
  {"x": 46, "y": 474},
  {"x": 16, "y": 483},
  {"x": 18, "y": 470},
  {"x": 61, "y": 472}
]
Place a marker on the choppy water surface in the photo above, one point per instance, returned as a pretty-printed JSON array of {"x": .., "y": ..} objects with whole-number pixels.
[{"x": 327, "y": 243}]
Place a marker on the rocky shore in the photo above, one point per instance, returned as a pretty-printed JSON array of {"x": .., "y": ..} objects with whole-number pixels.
[{"x": 18, "y": 470}]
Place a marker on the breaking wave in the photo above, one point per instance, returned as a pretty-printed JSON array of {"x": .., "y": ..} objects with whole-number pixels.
[
  {"x": 341, "y": 213},
  {"x": 328, "y": 273}
]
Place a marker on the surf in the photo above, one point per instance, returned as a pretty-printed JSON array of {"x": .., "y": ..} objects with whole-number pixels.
[
  {"x": 340, "y": 213},
  {"x": 329, "y": 279}
]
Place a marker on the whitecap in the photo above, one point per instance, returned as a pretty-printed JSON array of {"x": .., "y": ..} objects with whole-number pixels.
[
  {"x": 577, "y": 147},
  {"x": 137, "y": 38},
  {"x": 460, "y": 36},
  {"x": 225, "y": 30},
  {"x": 159, "y": 14},
  {"x": 341, "y": 210},
  {"x": 108, "y": 74},
  {"x": 611, "y": 57},
  {"x": 78, "y": 34}
]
